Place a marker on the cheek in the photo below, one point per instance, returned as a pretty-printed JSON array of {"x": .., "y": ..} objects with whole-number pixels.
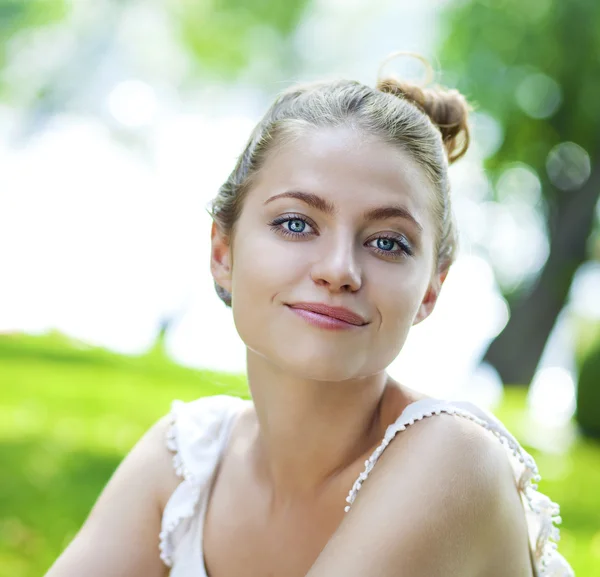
[
  {"x": 261, "y": 265},
  {"x": 263, "y": 276},
  {"x": 400, "y": 298}
]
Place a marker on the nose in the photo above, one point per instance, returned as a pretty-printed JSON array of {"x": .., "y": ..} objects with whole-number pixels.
[{"x": 337, "y": 266}]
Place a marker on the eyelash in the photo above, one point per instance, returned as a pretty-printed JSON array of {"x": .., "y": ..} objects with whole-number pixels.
[{"x": 405, "y": 248}]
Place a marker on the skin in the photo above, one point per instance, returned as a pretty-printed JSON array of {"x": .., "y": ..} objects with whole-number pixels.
[
  {"x": 326, "y": 384},
  {"x": 322, "y": 399}
]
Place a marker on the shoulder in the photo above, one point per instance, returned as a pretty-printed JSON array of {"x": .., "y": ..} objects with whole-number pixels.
[
  {"x": 440, "y": 501},
  {"x": 454, "y": 437},
  {"x": 176, "y": 444},
  {"x": 138, "y": 487},
  {"x": 156, "y": 459},
  {"x": 449, "y": 456},
  {"x": 450, "y": 434},
  {"x": 435, "y": 440}
]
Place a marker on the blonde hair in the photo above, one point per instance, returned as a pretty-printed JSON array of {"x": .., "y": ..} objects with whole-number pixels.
[{"x": 430, "y": 124}]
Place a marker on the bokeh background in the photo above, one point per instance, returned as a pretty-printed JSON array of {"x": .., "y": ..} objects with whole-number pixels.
[{"x": 119, "y": 119}]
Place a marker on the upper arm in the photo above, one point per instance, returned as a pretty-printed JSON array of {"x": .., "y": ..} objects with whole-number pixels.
[
  {"x": 440, "y": 502},
  {"x": 120, "y": 536}
]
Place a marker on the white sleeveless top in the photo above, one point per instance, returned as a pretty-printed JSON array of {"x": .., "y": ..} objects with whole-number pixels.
[{"x": 199, "y": 434}]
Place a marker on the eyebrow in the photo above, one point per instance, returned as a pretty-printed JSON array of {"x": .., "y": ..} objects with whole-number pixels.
[{"x": 318, "y": 203}]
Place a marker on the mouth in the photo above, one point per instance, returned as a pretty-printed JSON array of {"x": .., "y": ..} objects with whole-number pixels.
[{"x": 339, "y": 314}]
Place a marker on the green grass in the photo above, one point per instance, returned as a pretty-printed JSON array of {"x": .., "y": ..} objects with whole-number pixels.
[
  {"x": 571, "y": 479},
  {"x": 69, "y": 413}
]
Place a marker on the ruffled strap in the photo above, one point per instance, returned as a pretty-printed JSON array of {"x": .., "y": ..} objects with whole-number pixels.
[
  {"x": 541, "y": 513},
  {"x": 196, "y": 437}
]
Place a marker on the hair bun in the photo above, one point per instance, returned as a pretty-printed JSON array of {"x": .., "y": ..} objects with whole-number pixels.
[{"x": 447, "y": 109}]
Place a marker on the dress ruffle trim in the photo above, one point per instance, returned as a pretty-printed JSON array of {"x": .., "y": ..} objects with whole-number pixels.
[
  {"x": 542, "y": 515},
  {"x": 182, "y": 503},
  {"x": 195, "y": 436}
]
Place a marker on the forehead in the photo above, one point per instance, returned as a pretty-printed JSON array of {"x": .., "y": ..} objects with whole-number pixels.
[{"x": 350, "y": 168}]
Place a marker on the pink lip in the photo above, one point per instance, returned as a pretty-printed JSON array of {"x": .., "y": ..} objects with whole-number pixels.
[{"x": 326, "y": 316}]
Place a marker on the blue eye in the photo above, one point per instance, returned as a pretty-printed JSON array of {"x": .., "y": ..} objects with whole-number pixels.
[
  {"x": 292, "y": 226},
  {"x": 296, "y": 225},
  {"x": 385, "y": 244}
]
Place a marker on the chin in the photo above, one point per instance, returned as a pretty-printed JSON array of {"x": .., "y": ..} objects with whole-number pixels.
[{"x": 318, "y": 364}]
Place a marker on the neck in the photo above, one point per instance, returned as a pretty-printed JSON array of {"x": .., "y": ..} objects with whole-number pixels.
[{"x": 307, "y": 432}]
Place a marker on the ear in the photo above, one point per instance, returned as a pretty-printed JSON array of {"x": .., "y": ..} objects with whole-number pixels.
[
  {"x": 220, "y": 257},
  {"x": 431, "y": 296}
]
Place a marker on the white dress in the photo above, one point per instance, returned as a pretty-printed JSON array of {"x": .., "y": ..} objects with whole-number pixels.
[{"x": 199, "y": 434}]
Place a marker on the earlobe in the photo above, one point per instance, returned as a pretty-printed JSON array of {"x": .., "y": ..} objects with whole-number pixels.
[
  {"x": 426, "y": 307},
  {"x": 431, "y": 296},
  {"x": 220, "y": 257}
]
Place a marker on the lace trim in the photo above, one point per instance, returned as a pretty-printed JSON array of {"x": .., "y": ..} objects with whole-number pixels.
[
  {"x": 547, "y": 558},
  {"x": 165, "y": 544}
]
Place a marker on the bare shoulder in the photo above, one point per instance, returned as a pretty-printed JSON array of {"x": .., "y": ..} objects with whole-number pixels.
[
  {"x": 453, "y": 445},
  {"x": 159, "y": 460},
  {"x": 451, "y": 459},
  {"x": 120, "y": 535},
  {"x": 441, "y": 500}
]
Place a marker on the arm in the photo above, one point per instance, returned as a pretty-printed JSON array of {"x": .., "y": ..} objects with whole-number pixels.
[
  {"x": 120, "y": 536},
  {"x": 441, "y": 502}
]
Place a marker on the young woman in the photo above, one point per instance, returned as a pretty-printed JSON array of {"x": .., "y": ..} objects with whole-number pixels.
[{"x": 332, "y": 237}]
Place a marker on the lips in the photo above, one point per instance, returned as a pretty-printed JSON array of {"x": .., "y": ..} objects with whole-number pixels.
[{"x": 339, "y": 313}]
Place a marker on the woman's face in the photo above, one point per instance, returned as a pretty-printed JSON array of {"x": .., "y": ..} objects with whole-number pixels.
[{"x": 338, "y": 218}]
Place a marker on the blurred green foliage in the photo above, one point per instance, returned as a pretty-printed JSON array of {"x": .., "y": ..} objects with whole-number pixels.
[
  {"x": 68, "y": 415},
  {"x": 511, "y": 56},
  {"x": 17, "y": 15},
  {"x": 534, "y": 67},
  {"x": 226, "y": 36},
  {"x": 588, "y": 386},
  {"x": 588, "y": 394},
  {"x": 220, "y": 38},
  {"x": 571, "y": 479}
]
